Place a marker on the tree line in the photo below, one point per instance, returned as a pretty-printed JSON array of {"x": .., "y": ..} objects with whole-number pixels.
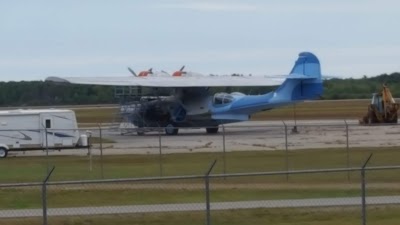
[{"x": 35, "y": 93}]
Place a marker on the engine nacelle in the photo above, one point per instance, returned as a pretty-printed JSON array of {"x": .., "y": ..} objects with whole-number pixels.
[{"x": 178, "y": 113}]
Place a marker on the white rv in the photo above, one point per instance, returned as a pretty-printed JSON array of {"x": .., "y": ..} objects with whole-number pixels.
[{"x": 22, "y": 130}]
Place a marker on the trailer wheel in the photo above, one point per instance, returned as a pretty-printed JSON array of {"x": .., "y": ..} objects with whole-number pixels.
[{"x": 3, "y": 152}]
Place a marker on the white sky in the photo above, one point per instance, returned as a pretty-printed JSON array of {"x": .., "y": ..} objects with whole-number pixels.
[{"x": 101, "y": 38}]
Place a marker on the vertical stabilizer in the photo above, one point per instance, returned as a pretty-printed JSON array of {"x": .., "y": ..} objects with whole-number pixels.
[
  {"x": 304, "y": 81},
  {"x": 307, "y": 64}
]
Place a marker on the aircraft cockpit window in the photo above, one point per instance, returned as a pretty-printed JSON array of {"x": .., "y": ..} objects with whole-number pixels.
[{"x": 222, "y": 98}]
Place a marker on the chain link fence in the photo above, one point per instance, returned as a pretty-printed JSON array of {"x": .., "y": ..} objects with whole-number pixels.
[
  {"x": 238, "y": 149},
  {"x": 316, "y": 180},
  {"x": 321, "y": 196}
]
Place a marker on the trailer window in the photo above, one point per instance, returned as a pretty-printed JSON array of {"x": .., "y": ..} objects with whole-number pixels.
[{"x": 48, "y": 123}]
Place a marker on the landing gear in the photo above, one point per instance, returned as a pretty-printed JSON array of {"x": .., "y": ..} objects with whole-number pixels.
[
  {"x": 170, "y": 129},
  {"x": 140, "y": 130},
  {"x": 212, "y": 130}
]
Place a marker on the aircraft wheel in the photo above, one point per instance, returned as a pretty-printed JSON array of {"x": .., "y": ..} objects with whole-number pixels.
[
  {"x": 140, "y": 133},
  {"x": 212, "y": 130},
  {"x": 171, "y": 130},
  {"x": 3, "y": 153}
]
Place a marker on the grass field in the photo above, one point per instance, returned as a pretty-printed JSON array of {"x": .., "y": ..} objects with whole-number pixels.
[
  {"x": 25, "y": 169},
  {"x": 96, "y": 140},
  {"x": 96, "y": 115},
  {"x": 22, "y": 169},
  {"x": 179, "y": 191},
  {"x": 340, "y": 109}
]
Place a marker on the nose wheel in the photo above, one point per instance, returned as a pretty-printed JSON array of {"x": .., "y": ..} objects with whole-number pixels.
[{"x": 170, "y": 129}]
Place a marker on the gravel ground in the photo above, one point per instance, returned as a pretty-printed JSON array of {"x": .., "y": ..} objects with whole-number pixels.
[{"x": 251, "y": 136}]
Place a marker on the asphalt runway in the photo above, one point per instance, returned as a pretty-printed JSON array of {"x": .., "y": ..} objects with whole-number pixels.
[{"x": 185, "y": 207}]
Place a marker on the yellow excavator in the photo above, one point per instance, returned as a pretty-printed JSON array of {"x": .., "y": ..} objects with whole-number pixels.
[{"x": 383, "y": 108}]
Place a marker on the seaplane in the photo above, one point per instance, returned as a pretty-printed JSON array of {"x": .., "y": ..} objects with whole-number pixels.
[{"x": 191, "y": 103}]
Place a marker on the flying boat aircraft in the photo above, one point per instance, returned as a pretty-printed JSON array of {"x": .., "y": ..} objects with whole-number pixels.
[{"x": 191, "y": 104}]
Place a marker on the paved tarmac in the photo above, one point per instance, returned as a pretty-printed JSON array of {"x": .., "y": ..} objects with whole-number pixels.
[
  {"x": 184, "y": 207},
  {"x": 259, "y": 136},
  {"x": 247, "y": 136}
]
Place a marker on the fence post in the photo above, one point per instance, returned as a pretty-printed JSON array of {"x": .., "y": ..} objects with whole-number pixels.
[
  {"x": 207, "y": 186},
  {"x": 224, "y": 149},
  {"x": 363, "y": 193},
  {"x": 160, "y": 154},
  {"x": 44, "y": 195},
  {"x": 286, "y": 151},
  {"x": 90, "y": 151},
  {"x": 347, "y": 150},
  {"x": 294, "y": 130},
  {"x": 47, "y": 151},
  {"x": 101, "y": 151}
]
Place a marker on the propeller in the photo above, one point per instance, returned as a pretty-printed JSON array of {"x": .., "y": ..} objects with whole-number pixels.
[
  {"x": 179, "y": 72},
  {"x": 132, "y": 72},
  {"x": 163, "y": 71},
  {"x": 143, "y": 73}
]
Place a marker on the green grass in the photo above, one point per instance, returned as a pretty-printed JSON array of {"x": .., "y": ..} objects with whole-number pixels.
[
  {"x": 94, "y": 115},
  {"x": 22, "y": 169},
  {"x": 239, "y": 188},
  {"x": 341, "y": 109},
  {"x": 96, "y": 140},
  {"x": 382, "y": 215},
  {"x": 106, "y": 195},
  {"x": 275, "y": 187}
]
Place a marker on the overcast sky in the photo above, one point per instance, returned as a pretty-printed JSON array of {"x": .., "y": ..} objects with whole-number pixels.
[{"x": 101, "y": 38}]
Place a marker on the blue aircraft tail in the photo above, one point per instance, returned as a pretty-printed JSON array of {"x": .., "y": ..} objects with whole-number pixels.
[{"x": 304, "y": 81}]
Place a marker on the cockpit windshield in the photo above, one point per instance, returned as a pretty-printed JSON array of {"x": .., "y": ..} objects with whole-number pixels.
[{"x": 222, "y": 98}]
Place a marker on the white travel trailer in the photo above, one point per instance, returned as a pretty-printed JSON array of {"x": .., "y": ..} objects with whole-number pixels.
[{"x": 22, "y": 130}]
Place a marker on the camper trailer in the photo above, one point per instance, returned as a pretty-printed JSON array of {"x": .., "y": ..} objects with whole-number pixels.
[{"x": 22, "y": 130}]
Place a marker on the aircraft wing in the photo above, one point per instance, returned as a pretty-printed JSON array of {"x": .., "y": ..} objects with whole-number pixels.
[{"x": 204, "y": 81}]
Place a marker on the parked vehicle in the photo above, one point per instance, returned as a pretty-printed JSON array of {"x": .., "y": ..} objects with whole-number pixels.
[
  {"x": 22, "y": 130},
  {"x": 383, "y": 108}
]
